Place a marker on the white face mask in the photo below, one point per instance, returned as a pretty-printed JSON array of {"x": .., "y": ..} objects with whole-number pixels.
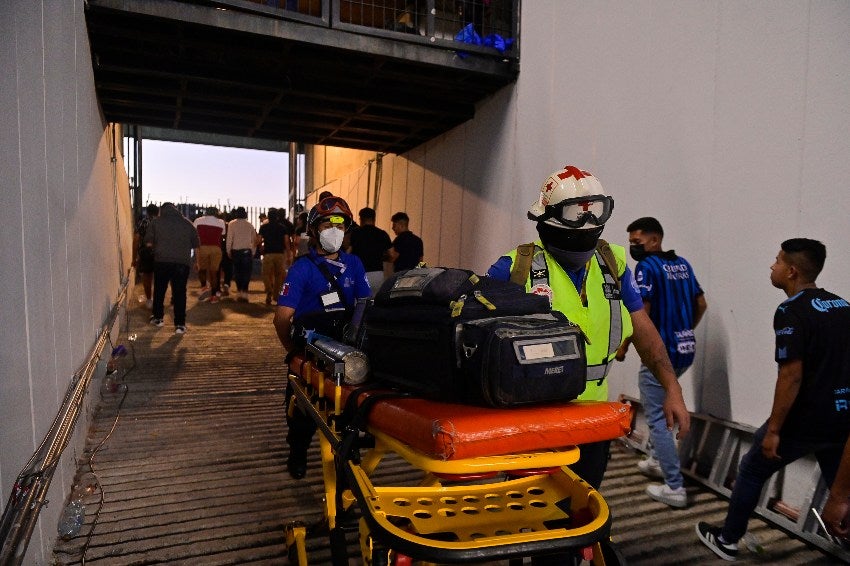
[{"x": 331, "y": 239}]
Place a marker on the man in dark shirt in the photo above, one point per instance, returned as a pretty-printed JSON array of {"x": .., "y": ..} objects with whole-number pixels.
[
  {"x": 277, "y": 241},
  {"x": 143, "y": 255},
  {"x": 407, "y": 249},
  {"x": 370, "y": 244},
  {"x": 811, "y": 403},
  {"x": 175, "y": 244}
]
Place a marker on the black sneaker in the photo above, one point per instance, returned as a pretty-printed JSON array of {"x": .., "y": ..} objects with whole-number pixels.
[
  {"x": 710, "y": 537},
  {"x": 157, "y": 321}
]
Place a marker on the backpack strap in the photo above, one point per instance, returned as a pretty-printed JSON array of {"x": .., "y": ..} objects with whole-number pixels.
[
  {"x": 607, "y": 254},
  {"x": 323, "y": 268},
  {"x": 522, "y": 264}
]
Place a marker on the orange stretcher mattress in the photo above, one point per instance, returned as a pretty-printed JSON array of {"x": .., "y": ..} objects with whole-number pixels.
[{"x": 448, "y": 431}]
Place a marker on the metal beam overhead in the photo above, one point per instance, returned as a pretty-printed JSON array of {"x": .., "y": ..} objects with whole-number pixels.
[{"x": 241, "y": 70}]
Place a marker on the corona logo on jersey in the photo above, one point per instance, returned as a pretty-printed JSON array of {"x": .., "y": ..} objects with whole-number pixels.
[{"x": 823, "y": 305}]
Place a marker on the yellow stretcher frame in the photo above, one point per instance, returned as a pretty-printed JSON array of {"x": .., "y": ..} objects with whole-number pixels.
[{"x": 445, "y": 524}]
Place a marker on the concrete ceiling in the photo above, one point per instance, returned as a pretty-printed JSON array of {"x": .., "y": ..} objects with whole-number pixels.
[{"x": 236, "y": 68}]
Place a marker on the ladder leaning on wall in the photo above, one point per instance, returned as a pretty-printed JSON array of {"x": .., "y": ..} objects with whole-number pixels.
[{"x": 710, "y": 454}]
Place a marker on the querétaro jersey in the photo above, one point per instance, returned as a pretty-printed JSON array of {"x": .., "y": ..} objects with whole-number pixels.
[
  {"x": 814, "y": 326},
  {"x": 668, "y": 283}
]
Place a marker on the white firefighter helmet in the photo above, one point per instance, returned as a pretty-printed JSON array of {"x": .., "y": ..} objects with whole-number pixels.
[{"x": 572, "y": 198}]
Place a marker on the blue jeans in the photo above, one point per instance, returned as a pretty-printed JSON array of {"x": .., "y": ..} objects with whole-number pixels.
[
  {"x": 754, "y": 471},
  {"x": 177, "y": 274},
  {"x": 243, "y": 265},
  {"x": 652, "y": 396}
]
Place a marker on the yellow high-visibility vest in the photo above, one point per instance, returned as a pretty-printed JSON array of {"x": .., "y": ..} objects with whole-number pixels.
[{"x": 604, "y": 319}]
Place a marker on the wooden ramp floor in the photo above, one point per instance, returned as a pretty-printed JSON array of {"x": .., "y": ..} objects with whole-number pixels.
[{"x": 192, "y": 467}]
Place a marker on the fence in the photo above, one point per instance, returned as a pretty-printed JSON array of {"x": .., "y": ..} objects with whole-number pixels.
[{"x": 194, "y": 210}]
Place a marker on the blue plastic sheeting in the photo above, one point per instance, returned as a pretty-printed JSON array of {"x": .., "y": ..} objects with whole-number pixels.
[{"x": 494, "y": 40}]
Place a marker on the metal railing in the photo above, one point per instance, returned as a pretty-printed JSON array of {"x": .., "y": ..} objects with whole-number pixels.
[
  {"x": 30, "y": 489},
  {"x": 485, "y": 27}
]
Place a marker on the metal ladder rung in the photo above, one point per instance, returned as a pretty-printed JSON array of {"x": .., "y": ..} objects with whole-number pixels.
[{"x": 724, "y": 454}]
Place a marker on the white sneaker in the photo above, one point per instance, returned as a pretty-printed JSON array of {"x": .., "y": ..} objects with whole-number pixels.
[
  {"x": 667, "y": 495},
  {"x": 180, "y": 330},
  {"x": 650, "y": 467}
]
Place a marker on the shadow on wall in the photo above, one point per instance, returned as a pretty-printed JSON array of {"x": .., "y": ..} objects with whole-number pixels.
[{"x": 712, "y": 392}]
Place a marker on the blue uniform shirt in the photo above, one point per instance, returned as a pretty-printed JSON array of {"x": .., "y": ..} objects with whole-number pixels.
[
  {"x": 668, "y": 283},
  {"x": 305, "y": 284}
]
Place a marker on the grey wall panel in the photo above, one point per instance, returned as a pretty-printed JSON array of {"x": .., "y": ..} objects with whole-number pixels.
[
  {"x": 66, "y": 233},
  {"x": 16, "y": 439},
  {"x": 35, "y": 213},
  {"x": 494, "y": 195},
  {"x": 726, "y": 120},
  {"x": 451, "y": 198},
  {"x": 823, "y": 177},
  {"x": 432, "y": 228}
]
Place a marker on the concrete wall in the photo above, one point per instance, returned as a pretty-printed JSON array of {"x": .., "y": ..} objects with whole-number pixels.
[
  {"x": 66, "y": 233},
  {"x": 727, "y": 120}
]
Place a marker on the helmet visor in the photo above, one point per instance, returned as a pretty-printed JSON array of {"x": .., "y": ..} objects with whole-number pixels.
[{"x": 581, "y": 211}]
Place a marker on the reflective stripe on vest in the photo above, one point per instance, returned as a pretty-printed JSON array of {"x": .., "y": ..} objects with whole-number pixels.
[
  {"x": 615, "y": 326},
  {"x": 540, "y": 276}
]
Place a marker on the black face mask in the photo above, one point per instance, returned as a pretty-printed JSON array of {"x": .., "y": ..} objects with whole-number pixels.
[
  {"x": 638, "y": 252},
  {"x": 568, "y": 239}
]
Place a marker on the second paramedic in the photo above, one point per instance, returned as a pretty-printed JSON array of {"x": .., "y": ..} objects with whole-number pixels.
[
  {"x": 318, "y": 295},
  {"x": 588, "y": 281}
]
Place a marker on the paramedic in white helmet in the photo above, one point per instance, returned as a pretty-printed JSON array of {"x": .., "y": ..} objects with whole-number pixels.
[{"x": 587, "y": 279}]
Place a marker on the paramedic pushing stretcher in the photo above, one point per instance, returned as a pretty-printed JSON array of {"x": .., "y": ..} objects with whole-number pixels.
[
  {"x": 576, "y": 270},
  {"x": 318, "y": 295}
]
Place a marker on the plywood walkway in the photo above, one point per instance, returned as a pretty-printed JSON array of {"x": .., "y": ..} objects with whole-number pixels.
[{"x": 194, "y": 471}]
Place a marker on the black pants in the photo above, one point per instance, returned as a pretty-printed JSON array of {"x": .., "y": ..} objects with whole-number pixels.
[
  {"x": 243, "y": 265},
  {"x": 177, "y": 274},
  {"x": 301, "y": 426},
  {"x": 593, "y": 462},
  {"x": 226, "y": 267}
]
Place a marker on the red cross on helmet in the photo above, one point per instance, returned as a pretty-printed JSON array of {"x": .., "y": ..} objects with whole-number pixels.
[{"x": 572, "y": 198}]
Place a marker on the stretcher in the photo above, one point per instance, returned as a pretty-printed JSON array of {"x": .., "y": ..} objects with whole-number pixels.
[{"x": 496, "y": 483}]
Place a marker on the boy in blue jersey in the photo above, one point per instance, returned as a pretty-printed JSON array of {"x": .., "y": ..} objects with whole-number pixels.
[
  {"x": 675, "y": 302},
  {"x": 318, "y": 295},
  {"x": 811, "y": 400}
]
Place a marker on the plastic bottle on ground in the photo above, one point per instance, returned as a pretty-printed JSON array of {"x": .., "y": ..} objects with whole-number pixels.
[{"x": 72, "y": 519}]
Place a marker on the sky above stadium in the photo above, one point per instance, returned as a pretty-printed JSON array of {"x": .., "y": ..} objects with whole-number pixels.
[{"x": 221, "y": 176}]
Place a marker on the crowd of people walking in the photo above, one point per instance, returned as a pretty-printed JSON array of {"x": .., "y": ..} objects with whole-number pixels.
[{"x": 223, "y": 248}]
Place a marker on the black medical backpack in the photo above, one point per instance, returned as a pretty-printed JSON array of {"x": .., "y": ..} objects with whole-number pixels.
[{"x": 450, "y": 335}]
